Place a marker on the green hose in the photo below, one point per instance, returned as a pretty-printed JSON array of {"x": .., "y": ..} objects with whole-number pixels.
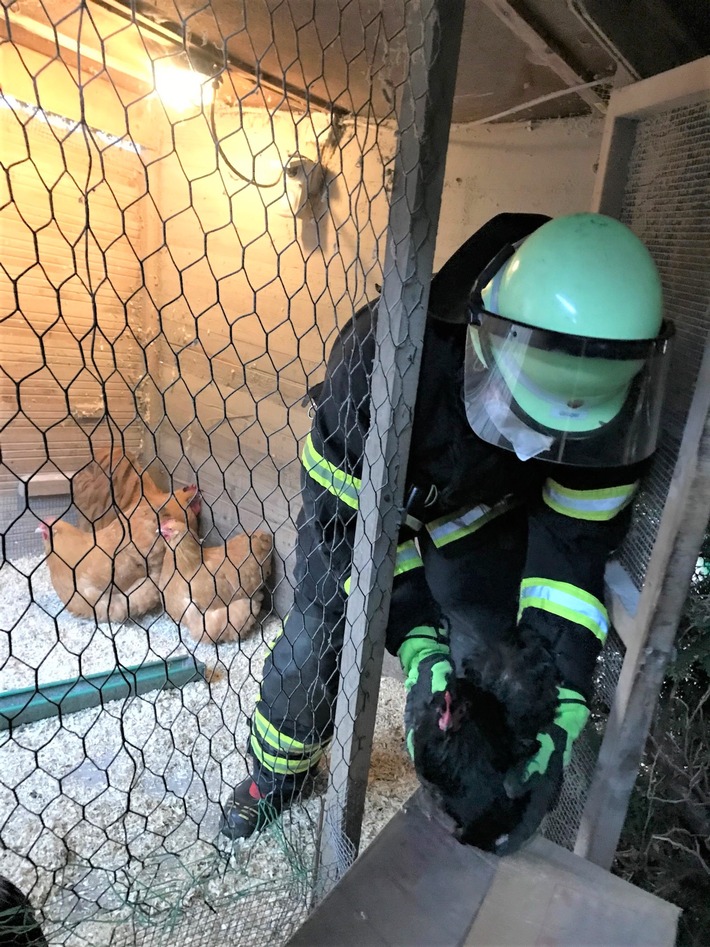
[{"x": 29, "y": 704}]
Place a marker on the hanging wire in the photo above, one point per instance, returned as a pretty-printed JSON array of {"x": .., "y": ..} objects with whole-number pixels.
[
  {"x": 541, "y": 99},
  {"x": 213, "y": 127}
]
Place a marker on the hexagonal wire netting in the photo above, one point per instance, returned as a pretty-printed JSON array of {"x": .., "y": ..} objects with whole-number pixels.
[
  {"x": 169, "y": 295},
  {"x": 168, "y": 298}
]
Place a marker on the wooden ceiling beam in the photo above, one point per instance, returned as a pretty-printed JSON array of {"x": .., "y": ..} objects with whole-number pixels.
[{"x": 544, "y": 49}]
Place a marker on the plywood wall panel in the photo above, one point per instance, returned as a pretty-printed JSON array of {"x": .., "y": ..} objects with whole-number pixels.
[{"x": 70, "y": 293}]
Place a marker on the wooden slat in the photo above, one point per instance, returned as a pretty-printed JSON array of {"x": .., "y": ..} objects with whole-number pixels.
[
  {"x": 50, "y": 402},
  {"x": 544, "y": 49},
  {"x": 415, "y": 885}
]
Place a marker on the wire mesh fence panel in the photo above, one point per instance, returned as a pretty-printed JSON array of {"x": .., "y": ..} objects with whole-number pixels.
[
  {"x": 192, "y": 206},
  {"x": 199, "y": 522},
  {"x": 562, "y": 824},
  {"x": 666, "y": 203}
]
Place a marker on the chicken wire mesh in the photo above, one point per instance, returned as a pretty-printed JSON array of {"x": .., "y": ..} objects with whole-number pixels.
[
  {"x": 177, "y": 260},
  {"x": 184, "y": 234},
  {"x": 562, "y": 824}
]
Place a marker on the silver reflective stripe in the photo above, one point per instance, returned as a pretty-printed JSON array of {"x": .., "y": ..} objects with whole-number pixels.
[
  {"x": 567, "y": 601},
  {"x": 448, "y": 529},
  {"x": 407, "y": 558},
  {"x": 601, "y": 504}
]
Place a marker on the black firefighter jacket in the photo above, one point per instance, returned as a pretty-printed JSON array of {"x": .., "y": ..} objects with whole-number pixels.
[{"x": 502, "y": 539}]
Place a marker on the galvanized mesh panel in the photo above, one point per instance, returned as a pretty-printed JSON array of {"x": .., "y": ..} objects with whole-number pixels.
[
  {"x": 562, "y": 824},
  {"x": 667, "y": 204},
  {"x": 190, "y": 210}
]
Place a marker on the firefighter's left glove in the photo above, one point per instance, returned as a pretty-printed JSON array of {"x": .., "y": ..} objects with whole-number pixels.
[
  {"x": 541, "y": 776},
  {"x": 426, "y": 661}
]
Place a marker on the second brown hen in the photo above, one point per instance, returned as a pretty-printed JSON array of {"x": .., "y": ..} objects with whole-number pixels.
[{"x": 215, "y": 591}]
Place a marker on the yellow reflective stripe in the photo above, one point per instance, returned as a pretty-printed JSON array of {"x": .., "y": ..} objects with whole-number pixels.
[
  {"x": 279, "y": 740},
  {"x": 602, "y": 504},
  {"x": 447, "y": 529},
  {"x": 335, "y": 481},
  {"x": 280, "y": 764},
  {"x": 407, "y": 558},
  {"x": 410, "y": 744},
  {"x": 270, "y": 645},
  {"x": 567, "y": 601}
]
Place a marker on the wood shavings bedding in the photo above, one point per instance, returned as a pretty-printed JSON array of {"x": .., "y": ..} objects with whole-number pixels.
[{"x": 113, "y": 812}]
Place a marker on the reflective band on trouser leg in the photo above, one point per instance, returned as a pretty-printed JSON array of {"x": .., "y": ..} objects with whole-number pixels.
[
  {"x": 567, "y": 601},
  {"x": 292, "y": 756},
  {"x": 407, "y": 558},
  {"x": 447, "y": 529},
  {"x": 342, "y": 485},
  {"x": 601, "y": 504}
]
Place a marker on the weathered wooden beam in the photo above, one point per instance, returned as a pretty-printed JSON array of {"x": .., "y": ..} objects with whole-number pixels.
[
  {"x": 648, "y": 622},
  {"x": 424, "y": 119},
  {"x": 667, "y": 580},
  {"x": 544, "y": 49}
]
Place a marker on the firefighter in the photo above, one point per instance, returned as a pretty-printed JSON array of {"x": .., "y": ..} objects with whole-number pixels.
[{"x": 538, "y": 407}]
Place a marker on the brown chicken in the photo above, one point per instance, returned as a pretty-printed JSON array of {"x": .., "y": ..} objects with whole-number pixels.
[
  {"x": 113, "y": 481},
  {"x": 114, "y": 572},
  {"x": 215, "y": 591}
]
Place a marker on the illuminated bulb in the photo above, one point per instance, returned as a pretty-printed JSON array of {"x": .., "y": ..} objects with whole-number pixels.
[{"x": 180, "y": 87}]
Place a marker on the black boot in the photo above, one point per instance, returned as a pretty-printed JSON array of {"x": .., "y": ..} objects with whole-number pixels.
[{"x": 248, "y": 811}]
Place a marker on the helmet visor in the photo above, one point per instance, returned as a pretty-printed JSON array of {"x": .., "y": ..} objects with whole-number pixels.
[{"x": 564, "y": 398}]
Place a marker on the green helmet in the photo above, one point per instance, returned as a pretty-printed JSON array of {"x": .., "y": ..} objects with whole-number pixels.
[
  {"x": 584, "y": 274},
  {"x": 579, "y": 307}
]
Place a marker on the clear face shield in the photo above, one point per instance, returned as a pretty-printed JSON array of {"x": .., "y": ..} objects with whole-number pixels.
[{"x": 563, "y": 398}]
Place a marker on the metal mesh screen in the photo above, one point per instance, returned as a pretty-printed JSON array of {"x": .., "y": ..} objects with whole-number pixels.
[
  {"x": 562, "y": 824},
  {"x": 666, "y": 204},
  {"x": 192, "y": 205}
]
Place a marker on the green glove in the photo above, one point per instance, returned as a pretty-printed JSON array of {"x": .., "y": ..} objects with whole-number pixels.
[
  {"x": 571, "y": 717},
  {"x": 541, "y": 775},
  {"x": 425, "y": 659}
]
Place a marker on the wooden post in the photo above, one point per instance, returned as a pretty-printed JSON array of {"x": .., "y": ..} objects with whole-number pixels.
[
  {"x": 668, "y": 576},
  {"x": 648, "y": 621},
  {"x": 433, "y": 39}
]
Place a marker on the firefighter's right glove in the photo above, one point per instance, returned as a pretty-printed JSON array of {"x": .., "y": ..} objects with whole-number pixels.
[
  {"x": 426, "y": 662},
  {"x": 543, "y": 773}
]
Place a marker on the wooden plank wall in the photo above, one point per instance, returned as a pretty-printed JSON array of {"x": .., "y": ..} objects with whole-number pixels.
[
  {"x": 72, "y": 302},
  {"x": 252, "y": 298},
  {"x": 190, "y": 317}
]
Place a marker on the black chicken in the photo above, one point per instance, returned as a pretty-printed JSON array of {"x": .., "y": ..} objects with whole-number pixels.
[
  {"x": 18, "y": 925},
  {"x": 470, "y": 737}
]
